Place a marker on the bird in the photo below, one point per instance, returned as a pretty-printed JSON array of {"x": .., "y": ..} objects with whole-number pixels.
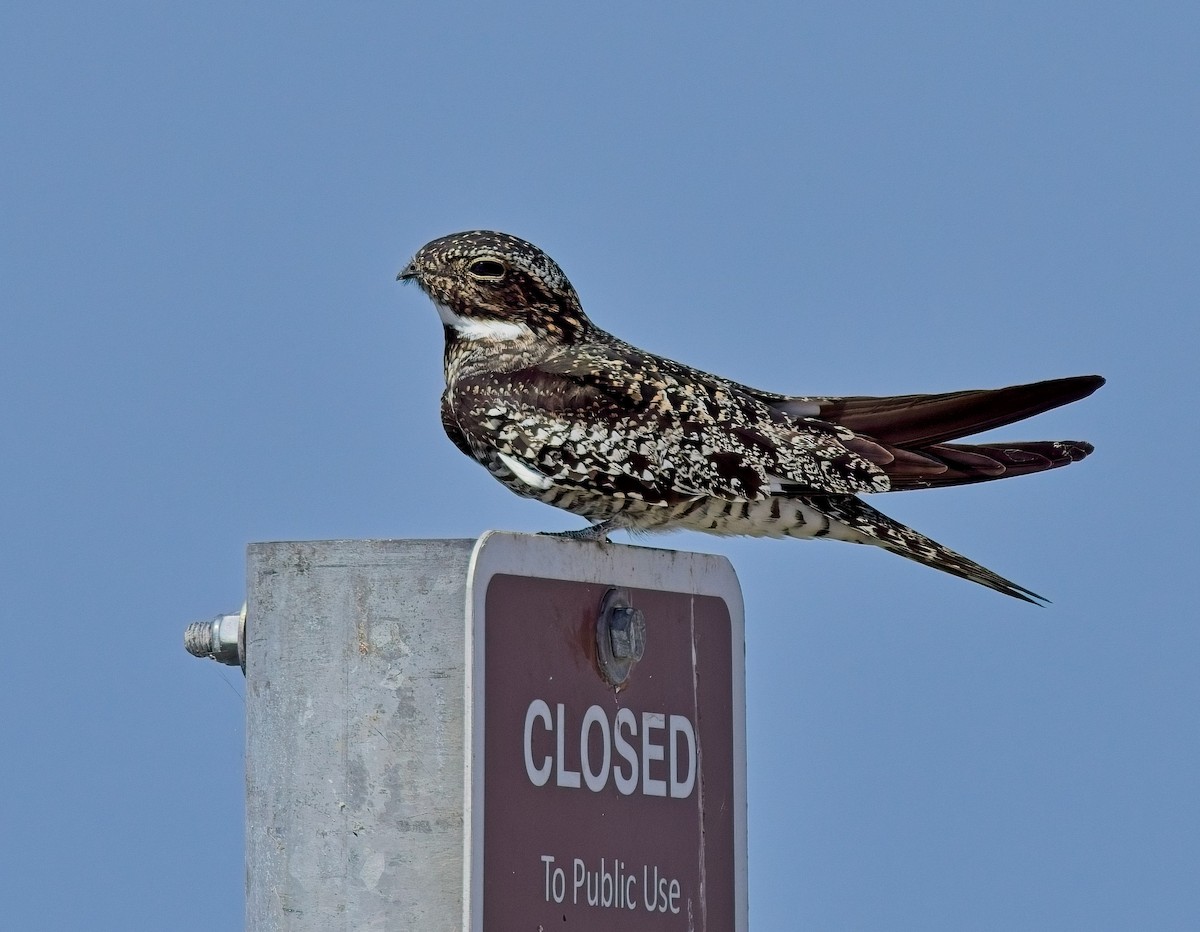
[{"x": 560, "y": 411}]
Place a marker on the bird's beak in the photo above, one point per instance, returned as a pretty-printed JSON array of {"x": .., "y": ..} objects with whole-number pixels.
[{"x": 408, "y": 273}]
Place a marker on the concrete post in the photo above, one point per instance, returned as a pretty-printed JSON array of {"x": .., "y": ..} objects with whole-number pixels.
[{"x": 354, "y": 714}]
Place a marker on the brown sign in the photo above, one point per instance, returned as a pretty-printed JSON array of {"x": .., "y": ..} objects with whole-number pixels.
[{"x": 595, "y": 807}]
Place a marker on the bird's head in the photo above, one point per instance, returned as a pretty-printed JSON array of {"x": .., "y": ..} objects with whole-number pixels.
[{"x": 492, "y": 286}]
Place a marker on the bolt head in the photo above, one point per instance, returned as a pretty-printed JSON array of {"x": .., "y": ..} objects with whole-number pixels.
[
  {"x": 227, "y": 629},
  {"x": 222, "y": 639},
  {"x": 627, "y": 633}
]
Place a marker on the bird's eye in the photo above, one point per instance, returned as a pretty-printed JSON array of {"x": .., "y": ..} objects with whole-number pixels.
[{"x": 491, "y": 270}]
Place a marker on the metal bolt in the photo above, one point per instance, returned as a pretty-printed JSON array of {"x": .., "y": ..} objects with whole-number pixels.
[
  {"x": 620, "y": 636},
  {"x": 223, "y": 639},
  {"x": 627, "y": 633}
]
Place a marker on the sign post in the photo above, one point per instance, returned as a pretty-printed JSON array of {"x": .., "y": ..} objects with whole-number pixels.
[{"x": 519, "y": 732}]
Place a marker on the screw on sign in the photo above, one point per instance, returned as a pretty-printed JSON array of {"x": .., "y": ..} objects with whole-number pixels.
[
  {"x": 620, "y": 636},
  {"x": 607, "y": 726}
]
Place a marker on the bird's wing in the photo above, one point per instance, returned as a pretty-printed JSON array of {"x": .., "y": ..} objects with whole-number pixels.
[
  {"x": 905, "y": 434},
  {"x": 650, "y": 429},
  {"x": 921, "y": 420}
]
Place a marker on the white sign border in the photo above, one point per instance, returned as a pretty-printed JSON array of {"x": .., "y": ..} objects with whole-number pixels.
[{"x": 502, "y": 552}]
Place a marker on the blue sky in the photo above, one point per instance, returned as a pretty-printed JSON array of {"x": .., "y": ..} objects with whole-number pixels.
[{"x": 203, "y": 209}]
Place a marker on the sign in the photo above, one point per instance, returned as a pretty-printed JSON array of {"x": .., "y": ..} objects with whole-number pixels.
[{"x": 592, "y": 806}]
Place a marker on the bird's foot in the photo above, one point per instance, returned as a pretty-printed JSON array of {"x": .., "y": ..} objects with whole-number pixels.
[{"x": 596, "y": 533}]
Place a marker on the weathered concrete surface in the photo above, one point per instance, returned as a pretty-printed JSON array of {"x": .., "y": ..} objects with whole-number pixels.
[{"x": 354, "y": 755}]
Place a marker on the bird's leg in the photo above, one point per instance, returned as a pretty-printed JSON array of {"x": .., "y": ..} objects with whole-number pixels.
[{"x": 597, "y": 533}]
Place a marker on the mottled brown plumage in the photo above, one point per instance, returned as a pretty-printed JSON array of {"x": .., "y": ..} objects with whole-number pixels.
[{"x": 561, "y": 411}]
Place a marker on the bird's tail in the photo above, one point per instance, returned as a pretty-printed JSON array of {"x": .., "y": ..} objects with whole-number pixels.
[{"x": 877, "y": 528}]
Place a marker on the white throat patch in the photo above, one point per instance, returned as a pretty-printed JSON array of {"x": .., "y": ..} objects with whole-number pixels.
[{"x": 472, "y": 329}]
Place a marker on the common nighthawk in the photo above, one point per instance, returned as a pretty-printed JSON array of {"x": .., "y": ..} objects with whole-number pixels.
[{"x": 561, "y": 411}]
